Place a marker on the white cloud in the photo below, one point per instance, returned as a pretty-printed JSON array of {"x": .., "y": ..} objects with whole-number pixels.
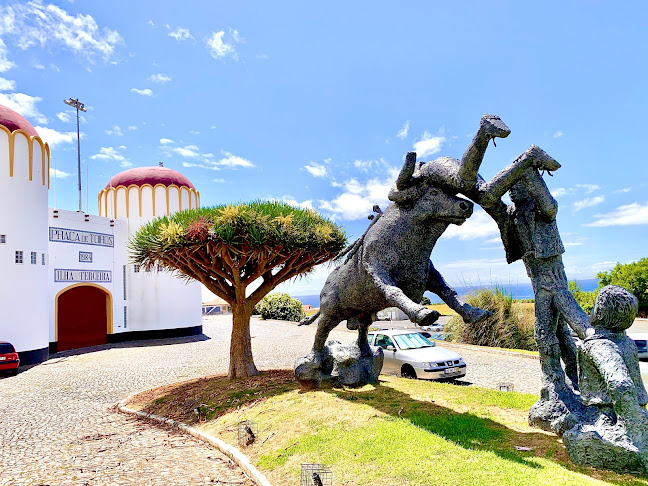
[
  {"x": 132, "y": 127},
  {"x": 479, "y": 225},
  {"x": 54, "y": 138},
  {"x": 5, "y": 64},
  {"x": 194, "y": 132},
  {"x": 359, "y": 198},
  {"x": 206, "y": 161},
  {"x": 180, "y": 34},
  {"x": 219, "y": 181},
  {"x": 588, "y": 202},
  {"x": 218, "y": 48},
  {"x": 151, "y": 23},
  {"x": 559, "y": 192},
  {"x": 37, "y": 23},
  {"x": 428, "y": 145},
  {"x": 232, "y": 161},
  {"x": 624, "y": 190},
  {"x": 59, "y": 174},
  {"x": 316, "y": 170},
  {"x": 7, "y": 85},
  {"x": 23, "y": 104},
  {"x": 557, "y": 134},
  {"x": 630, "y": 214},
  {"x": 165, "y": 141},
  {"x": 115, "y": 131},
  {"x": 308, "y": 204},
  {"x": 589, "y": 188},
  {"x": 64, "y": 117},
  {"x": 143, "y": 92},
  {"x": 109, "y": 153},
  {"x": 363, "y": 165},
  {"x": 235, "y": 35},
  {"x": 475, "y": 263},
  {"x": 402, "y": 133},
  {"x": 188, "y": 151},
  {"x": 159, "y": 78}
]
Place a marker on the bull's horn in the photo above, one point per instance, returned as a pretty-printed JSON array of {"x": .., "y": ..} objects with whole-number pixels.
[{"x": 405, "y": 176}]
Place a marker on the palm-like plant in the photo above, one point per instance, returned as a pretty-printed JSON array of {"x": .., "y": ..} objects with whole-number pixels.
[{"x": 228, "y": 247}]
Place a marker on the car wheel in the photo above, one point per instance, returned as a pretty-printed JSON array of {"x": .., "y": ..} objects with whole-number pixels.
[{"x": 408, "y": 372}]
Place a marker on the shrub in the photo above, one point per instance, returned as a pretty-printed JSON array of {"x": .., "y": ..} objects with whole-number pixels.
[
  {"x": 584, "y": 299},
  {"x": 632, "y": 277},
  {"x": 510, "y": 326},
  {"x": 281, "y": 307}
]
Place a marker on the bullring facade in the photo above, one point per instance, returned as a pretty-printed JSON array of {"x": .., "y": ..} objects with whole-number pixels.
[{"x": 66, "y": 280}]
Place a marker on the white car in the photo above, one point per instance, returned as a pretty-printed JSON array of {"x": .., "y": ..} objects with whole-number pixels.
[
  {"x": 411, "y": 355},
  {"x": 641, "y": 340}
]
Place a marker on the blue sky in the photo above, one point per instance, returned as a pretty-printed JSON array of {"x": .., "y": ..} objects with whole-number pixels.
[{"x": 317, "y": 104}]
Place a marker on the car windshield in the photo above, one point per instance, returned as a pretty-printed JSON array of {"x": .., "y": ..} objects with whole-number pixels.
[{"x": 412, "y": 341}]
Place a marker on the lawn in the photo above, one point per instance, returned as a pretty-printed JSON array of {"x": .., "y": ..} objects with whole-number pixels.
[{"x": 398, "y": 432}]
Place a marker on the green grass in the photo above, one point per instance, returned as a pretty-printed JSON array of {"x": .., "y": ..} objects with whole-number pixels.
[{"x": 398, "y": 432}]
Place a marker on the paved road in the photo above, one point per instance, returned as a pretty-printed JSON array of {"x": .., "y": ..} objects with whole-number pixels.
[{"x": 58, "y": 424}]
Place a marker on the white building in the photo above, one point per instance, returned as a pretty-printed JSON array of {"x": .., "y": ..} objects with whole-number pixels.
[{"x": 65, "y": 277}]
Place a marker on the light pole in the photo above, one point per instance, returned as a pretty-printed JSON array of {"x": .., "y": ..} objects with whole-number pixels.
[{"x": 75, "y": 103}]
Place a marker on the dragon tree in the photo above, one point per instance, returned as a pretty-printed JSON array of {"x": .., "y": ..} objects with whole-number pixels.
[{"x": 232, "y": 247}]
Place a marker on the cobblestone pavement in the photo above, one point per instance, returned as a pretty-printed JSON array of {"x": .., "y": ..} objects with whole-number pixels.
[{"x": 59, "y": 424}]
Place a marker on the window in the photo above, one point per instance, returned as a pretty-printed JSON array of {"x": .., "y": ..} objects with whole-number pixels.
[
  {"x": 34, "y": 255},
  {"x": 3, "y": 239},
  {"x": 19, "y": 256},
  {"x": 370, "y": 338},
  {"x": 43, "y": 259},
  {"x": 125, "y": 317},
  {"x": 136, "y": 268},
  {"x": 383, "y": 341}
]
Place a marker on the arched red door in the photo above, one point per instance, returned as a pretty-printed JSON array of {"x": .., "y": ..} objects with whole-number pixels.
[{"x": 82, "y": 317}]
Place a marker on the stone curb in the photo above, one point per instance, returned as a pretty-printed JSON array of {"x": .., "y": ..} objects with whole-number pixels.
[{"x": 234, "y": 454}]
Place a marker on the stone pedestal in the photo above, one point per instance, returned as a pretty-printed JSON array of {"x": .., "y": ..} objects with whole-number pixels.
[{"x": 339, "y": 364}]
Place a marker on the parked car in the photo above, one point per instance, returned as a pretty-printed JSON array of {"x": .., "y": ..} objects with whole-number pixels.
[
  {"x": 411, "y": 355},
  {"x": 9, "y": 360},
  {"x": 641, "y": 340},
  {"x": 433, "y": 328}
]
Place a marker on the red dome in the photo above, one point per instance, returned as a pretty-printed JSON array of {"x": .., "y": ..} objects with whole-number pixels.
[
  {"x": 149, "y": 175},
  {"x": 13, "y": 121}
]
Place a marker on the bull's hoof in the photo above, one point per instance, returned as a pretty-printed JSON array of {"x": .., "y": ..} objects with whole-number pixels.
[
  {"x": 427, "y": 317},
  {"x": 476, "y": 315}
]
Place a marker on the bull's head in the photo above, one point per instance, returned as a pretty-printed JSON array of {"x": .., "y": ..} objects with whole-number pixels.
[{"x": 425, "y": 199}]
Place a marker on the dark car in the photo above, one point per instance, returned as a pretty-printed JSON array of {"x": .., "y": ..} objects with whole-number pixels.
[{"x": 9, "y": 360}]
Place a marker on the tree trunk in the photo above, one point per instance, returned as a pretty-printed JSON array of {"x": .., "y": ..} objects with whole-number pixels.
[{"x": 241, "y": 363}]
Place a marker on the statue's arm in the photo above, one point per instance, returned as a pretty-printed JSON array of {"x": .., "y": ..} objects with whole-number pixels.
[{"x": 539, "y": 191}]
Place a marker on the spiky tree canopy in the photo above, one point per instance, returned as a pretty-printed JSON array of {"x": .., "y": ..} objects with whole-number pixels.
[{"x": 228, "y": 247}]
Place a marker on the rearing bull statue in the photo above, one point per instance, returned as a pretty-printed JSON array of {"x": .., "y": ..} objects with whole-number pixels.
[{"x": 389, "y": 266}]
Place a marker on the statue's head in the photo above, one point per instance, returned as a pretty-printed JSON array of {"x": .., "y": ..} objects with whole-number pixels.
[
  {"x": 614, "y": 309},
  {"x": 426, "y": 200},
  {"x": 519, "y": 193}
]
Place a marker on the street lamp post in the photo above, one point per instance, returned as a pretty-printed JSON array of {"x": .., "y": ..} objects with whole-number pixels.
[{"x": 75, "y": 103}]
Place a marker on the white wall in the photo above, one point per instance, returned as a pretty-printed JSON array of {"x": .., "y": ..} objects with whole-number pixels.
[
  {"x": 65, "y": 255},
  {"x": 23, "y": 219}
]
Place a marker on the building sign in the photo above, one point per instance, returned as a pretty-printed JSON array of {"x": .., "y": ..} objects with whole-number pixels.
[
  {"x": 85, "y": 257},
  {"x": 80, "y": 237},
  {"x": 69, "y": 275}
]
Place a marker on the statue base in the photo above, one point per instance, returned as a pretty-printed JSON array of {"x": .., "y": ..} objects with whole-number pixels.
[
  {"x": 606, "y": 447},
  {"x": 339, "y": 364}
]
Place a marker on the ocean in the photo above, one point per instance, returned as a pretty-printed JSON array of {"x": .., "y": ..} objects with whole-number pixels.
[{"x": 519, "y": 291}]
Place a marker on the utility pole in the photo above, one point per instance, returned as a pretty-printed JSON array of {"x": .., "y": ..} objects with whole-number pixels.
[{"x": 75, "y": 103}]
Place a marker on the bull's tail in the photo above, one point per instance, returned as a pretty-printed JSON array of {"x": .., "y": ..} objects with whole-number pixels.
[{"x": 309, "y": 320}]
